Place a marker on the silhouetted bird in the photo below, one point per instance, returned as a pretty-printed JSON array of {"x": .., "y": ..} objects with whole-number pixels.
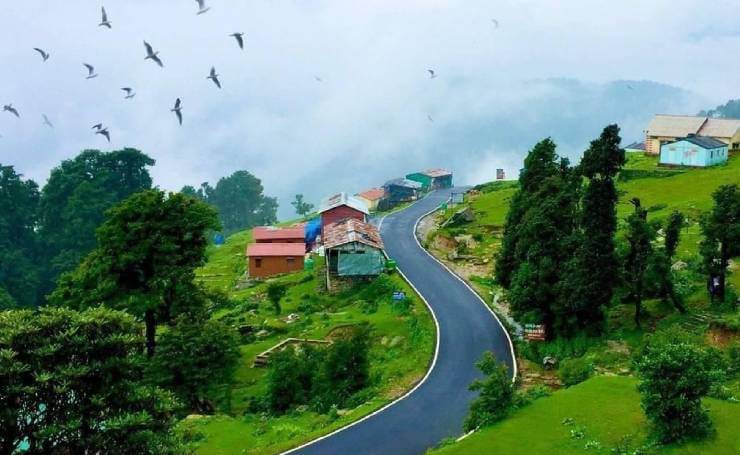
[
  {"x": 129, "y": 92},
  {"x": 97, "y": 126},
  {"x": 178, "y": 110},
  {"x": 239, "y": 39},
  {"x": 47, "y": 122},
  {"x": 151, "y": 55},
  {"x": 214, "y": 77},
  {"x": 202, "y": 6},
  {"x": 432, "y": 74},
  {"x": 430, "y": 118},
  {"x": 318, "y": 79},
  {"x": 11, "y": 109},
  {"x": 104, "y": 22},
  {"x": 44, "y": 54},
  {"x": 495, "y": 23},
  {"x": 90, "y": 71},
  {"x": 104, "y": 132}
]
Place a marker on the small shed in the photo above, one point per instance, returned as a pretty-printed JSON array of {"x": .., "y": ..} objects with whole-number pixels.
[
  {"x": 341, "y": 207},
  {"x": 353, "y": 249},
  {"x": 270, "y": 259},
  {"x": 635, "y": 147},
  {"x": 271, "y": 234},
  {"x": 372, "y": 197},
  {"x": 432, "y": 179},
  {"x": 402, "y": 190},
  {"x": 697, "y": 151}
]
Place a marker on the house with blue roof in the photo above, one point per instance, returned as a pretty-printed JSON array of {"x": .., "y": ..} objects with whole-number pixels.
[{"x": 693, "y": 150}]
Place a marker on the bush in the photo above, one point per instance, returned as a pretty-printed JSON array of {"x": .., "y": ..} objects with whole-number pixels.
[
  {"x": 575, "y": 371},
  {"x": 675, "y": 373},
  {"x": 496, "y": 394},
  {"x": 275, "y": 293}
]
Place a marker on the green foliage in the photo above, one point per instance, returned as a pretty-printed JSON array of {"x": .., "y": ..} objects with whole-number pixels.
[
  {"x": 575, "y": 371},
  {"x": 148, "y": 250},
  {"x": 730, "y": 109},
  {"x": 6, "y": 301},
  {"x": 721, "y": 229},
  {"x": 320, "y": 377},
  {"x": 675, "y": 373},
  {"x": 496, "y": 394},
  {"x": 194, "y": 358},
  {"x": 673, "y": 232},
  {"x": 275, "y": 292},
  {"x": 72, "y": 382},
  {"x": 75, "y": 199},
  {"x": 239, "y": 200},
  {"x": 19, "y": 265},
  {"x": 302, "y": 207},
  {"x": 639, "y": 237}
]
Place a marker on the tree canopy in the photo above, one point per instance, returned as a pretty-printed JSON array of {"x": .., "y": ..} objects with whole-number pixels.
[
  {"x": 721, "y": 229},
  {"x": 148, "y": 249}
]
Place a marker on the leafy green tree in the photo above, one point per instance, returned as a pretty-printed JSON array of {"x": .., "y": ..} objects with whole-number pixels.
[
  {"x": 19, "y": 269},
  {"x": 290, "y": 378},
  {"x": 148, "y": 249},
  {"x": 496, "y": 394},
  {"x": 730, "y": 109},
  {"x": 675, "y": 373},
  {"x": 345, "y": 369},
  {"x": 72, "y": 382},
  {"x": 721, "y": 229},
  {"x": 659, "y": 274},
  {"x": 639, "y": 237},
  {"x": 541, "y": 162},
  {"x": 673, "y": 232},
  {"x": 74, "y": 201},
  {"x": 275, "y": 293},
  {"x": 194, "y": 359},
  {"x": 593, "y": 270},
  {"x": 302, "y": 207},
  {"x": 6, "y": 301}
]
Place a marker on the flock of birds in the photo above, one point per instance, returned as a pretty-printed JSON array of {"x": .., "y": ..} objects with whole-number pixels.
[
  {"x": 153, "y": 55},
  {"x": 129, "y": 93}
]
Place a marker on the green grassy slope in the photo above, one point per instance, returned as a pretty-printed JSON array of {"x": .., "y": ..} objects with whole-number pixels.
[
  {"x": 605, "y": 409},
  {"x": 403, "y": 345}
]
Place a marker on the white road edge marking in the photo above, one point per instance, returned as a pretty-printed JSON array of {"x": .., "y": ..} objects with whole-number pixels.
[{"x": 436, "y": 347}]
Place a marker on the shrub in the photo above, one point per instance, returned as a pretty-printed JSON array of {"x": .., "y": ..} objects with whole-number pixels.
[
  {"x": 575, "y": 371},
  {"x": 675, "y": 373},
  {"x": 275, "y": 293},
  {"x": 496, "y": 394}
]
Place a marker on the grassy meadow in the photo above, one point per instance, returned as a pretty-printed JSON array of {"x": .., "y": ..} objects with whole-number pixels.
[{"x": 403, "y": 341}]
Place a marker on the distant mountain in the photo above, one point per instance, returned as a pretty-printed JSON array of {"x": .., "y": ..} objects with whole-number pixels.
[{"x": 731, "y": 109}]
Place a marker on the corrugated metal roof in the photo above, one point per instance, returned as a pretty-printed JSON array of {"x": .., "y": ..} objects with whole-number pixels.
[
  {"x": 438, "y": 172},
  {"x": 674, "y": 125},
  {"x": 720, "y": 127},
  {"x": 351, "y": 230},
  {"x": 343, "y": 199},
  {"x": 276, "y": 249},
  {"x": 702, "y": 141},
  {"x": 636, "y": 146},
  {"x": 403, "y": 182},
  {"x": 275, "y": 233},
  {"x": 373, "y": 194}
]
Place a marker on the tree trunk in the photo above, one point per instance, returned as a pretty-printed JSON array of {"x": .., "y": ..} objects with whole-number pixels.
[{"x": 151, "y": 332}]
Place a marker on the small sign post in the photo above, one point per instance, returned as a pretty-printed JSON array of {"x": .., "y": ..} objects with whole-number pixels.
[{"x": 534, "y": 332}]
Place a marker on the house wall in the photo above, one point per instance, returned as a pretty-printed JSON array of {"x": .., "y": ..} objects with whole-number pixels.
[
  {"x": 338, "y": 214},
  {"x": 425, "y": 180},
  {"x": 442, "y": 182},
  {"x": 684, "y": 153},
  {"x": 356, "y": 259},
  {"x": 735, "y": 141},
  {"x": 653, "y": 143},
  {"x": 274, "y": 265},
  {"x": 398, "y": 193},
  {"x": 372, "y": 205}
]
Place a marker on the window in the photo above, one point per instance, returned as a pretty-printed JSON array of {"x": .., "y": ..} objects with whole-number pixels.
[
  {"x": 290, "y": 261},
  {"x": 258, "y": 262}
]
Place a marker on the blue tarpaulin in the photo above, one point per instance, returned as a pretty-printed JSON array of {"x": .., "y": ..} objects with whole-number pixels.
[{"x": 313, "y": 230}]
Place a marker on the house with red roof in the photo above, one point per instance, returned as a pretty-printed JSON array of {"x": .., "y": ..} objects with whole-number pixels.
[
  {"x": 270, "y": 259},
  {"x": 354, "y": 249},
  {"x": 341, "y": 207},
  {"x": 271, "y": 234},
  {"x": 372, "y": 197}
]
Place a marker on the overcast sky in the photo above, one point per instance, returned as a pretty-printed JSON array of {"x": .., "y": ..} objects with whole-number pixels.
[{"x": 369, "y": 118}]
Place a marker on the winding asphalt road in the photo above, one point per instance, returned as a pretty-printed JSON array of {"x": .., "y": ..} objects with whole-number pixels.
[{"x": 436, "y": 409}]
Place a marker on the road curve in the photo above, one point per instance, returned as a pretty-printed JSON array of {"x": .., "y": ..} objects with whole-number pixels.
[{"x": 435, "y": 409}]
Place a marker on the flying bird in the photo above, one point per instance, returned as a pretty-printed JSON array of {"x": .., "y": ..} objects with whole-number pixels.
[
  {"x": 44, "y": 54},
  {"x": 214, "y": 77},
  {"x": 630, "y": 87},
  {"x": 495, "y": 23},
  {"x": 104, "y": 132},
  {"x": 432, "y": 74},
  {"x": 239, "y": 37},
  {"x": 318, "y": 79},
  {"x": 151, "y": 55},
  {"x": 202, "y": 6},
  {"x": 430, "y": 118},
  {"x": 129, "y": 92},
  {"x": 178, "y": 110},
  {"x": 90, "y": 71},
  {"x": 104, "y": 21},
  {"x": 97, "y": 126},
  {"x": 47, "y": 122},
  {"x": 11, "y": 109}
]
